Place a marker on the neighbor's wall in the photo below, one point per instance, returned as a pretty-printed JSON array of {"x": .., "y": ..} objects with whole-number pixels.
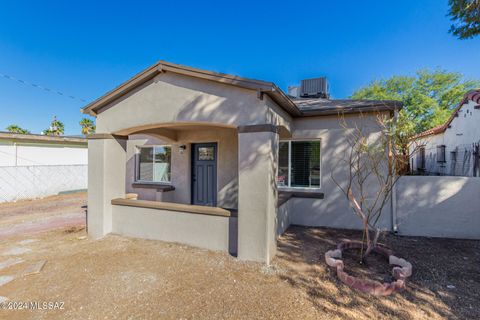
[
  {"x": 436, "y": 206},
  {"x": 461, "y": 134},
  {"x": 334, "y": 210},
  {"x": 30, "y": 182},
  {"x": 430, "y": 144},
  {"x": 36, "y": 170},
  {"x": 227, "y": 165},
  {"x": 464, "y": 129},
  {"x": 31, "y": 154}
]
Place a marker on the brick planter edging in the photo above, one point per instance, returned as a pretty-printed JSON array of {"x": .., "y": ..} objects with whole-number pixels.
[{"x": 401, "y": 271}]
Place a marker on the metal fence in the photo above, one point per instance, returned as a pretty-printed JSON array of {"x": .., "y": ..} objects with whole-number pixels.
[
  {"x": 462, "y": 160},
  {"x": 29, "y": 182}
]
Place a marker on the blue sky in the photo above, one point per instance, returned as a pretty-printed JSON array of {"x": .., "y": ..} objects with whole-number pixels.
[{"x": 85, "y": 48}]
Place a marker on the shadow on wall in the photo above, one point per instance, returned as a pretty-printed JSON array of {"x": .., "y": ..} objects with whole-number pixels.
[
  {"x": 334, "y": 210},
  {"x": 238, "y": 106},
  {"x": 439, "y": 206}
]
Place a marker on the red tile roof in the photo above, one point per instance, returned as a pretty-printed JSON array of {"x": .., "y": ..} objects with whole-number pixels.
[{"x": 473, "y": 95}]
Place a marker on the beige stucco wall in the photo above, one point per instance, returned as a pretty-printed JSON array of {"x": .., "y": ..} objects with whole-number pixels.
[
  {"x": 334, "y": 210},
  {"x": 174, "y": 98},
  {"x": 257, "y": 194},
  {"x": 283, "y": 217},
  {"x": 106, "y": 181},
  {"x": 227, "y": 165},
  {"x": 436, "y": 206},
  {"x": 199, "y": 230}
]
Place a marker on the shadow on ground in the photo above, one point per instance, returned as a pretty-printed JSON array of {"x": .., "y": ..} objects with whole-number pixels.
[{"x": 438, "y": 264}]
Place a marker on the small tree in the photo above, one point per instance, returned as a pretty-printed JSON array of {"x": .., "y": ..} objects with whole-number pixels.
[
  {"x": 370, "y": 158},
  {"x": 87, "y": 126},
  {"x": 16, "y": 129},
  {"x": 56, "y": 128}
]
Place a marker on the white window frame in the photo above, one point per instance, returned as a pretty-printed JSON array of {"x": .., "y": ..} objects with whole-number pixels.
[
  {"x": 290, "y": 164},
  {"x": 137, "y": 164}
]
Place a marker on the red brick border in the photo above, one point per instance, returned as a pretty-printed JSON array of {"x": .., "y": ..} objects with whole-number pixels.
[{"x": 401, "y": 271}]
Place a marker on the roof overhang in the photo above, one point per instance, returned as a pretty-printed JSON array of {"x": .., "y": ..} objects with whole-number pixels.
[
  {"x": 261, "y": 87},
  {"x": 391, "y": 106}
]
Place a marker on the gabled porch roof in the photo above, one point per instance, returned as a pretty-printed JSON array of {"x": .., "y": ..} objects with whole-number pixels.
[{"x": 262, "y": 87}]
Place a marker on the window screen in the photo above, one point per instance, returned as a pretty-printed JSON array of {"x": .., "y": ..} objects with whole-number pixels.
[
  {"x": 305, "y": 164},
  {"x": 154, "y": 164},
  {"x": 299, "y": 164}
]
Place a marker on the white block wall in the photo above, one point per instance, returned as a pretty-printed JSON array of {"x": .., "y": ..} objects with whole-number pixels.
[
  {"x": 29, "y": 182},
  {"x": 41, "y": 154}
]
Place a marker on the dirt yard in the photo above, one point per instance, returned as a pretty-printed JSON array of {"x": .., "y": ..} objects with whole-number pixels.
[{"x": 119, "y": 278}]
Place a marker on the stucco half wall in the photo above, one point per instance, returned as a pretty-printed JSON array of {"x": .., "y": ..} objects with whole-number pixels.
[{"x": 199, "y": 230}]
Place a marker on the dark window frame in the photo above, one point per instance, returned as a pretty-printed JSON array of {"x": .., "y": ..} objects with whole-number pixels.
[
  {"x": 421, "y": 159},
  {"x": 289, "y": 177},
  {"x": 441, "y": 154},
  {"x": 137, "y": 165}
]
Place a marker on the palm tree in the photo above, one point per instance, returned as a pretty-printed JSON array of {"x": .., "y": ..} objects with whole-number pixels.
[
  {"x": 13, "y": 128},
  {"x": 56, "y": 128},
  {"x": 87, "y": 126}
]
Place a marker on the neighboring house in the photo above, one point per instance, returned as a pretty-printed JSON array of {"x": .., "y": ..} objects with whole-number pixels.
[
  {"x": 452, "y": 148},
  {"x": 219, "y": 161},
  {"x": 33, "y": 166}
]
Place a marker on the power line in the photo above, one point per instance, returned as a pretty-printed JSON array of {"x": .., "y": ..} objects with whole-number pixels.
[{"x": 9, "y": 77}]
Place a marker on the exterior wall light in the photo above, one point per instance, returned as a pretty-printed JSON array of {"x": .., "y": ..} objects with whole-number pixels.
[{"x": 182, "y": 148}]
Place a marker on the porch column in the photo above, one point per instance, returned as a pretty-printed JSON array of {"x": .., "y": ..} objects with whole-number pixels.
[
  {"x": 257, "y": 192},
  {"x": 106, "y": 180}
]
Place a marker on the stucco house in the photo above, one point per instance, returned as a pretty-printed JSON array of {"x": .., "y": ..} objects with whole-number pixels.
[
  {"x": 452, "y": 148},
  {"x": 218, "y": 161}
]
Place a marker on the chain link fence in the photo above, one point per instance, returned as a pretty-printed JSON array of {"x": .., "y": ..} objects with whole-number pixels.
[{"x": 29, "y": 182}]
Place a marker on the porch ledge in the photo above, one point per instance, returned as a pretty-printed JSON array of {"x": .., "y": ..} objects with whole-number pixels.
[
  {"x": 170, "y": 206},
  {"x": 159, "y": 186},
  {"x": 284, "y": 196}
]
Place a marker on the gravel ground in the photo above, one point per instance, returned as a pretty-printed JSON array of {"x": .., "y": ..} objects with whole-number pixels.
[
  {"x": 445, "y": 283},
  {"x": 33, "y": 216},
  {"x": 124, "y": 278}
]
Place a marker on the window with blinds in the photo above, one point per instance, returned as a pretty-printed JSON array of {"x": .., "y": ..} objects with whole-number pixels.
[{"x": 299, "y": 164}]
